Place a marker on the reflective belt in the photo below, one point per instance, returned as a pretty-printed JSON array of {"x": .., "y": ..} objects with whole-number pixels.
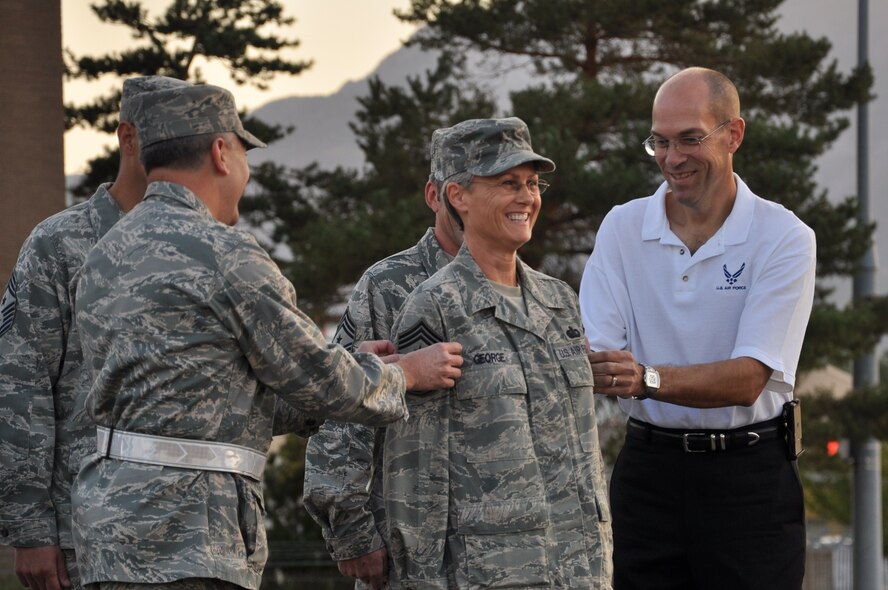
[{"x": 179, "y": 452}]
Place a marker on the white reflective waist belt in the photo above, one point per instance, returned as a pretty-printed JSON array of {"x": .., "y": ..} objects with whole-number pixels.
[{"x": 179, "y": 452}]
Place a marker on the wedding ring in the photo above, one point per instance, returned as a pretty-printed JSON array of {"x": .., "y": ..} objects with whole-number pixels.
[{"x": 613, "y": 380}]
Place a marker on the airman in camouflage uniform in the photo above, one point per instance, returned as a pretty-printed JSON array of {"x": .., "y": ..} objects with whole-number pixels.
[
  {"x": 498, "y": 483},
  {"x": 343, "y": 462},
  {"x": 44, "y": 432},
  {"x": 190, "y": 334}
]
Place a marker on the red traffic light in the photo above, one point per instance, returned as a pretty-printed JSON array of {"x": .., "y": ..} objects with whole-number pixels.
[{"x": 832, "y": 448}]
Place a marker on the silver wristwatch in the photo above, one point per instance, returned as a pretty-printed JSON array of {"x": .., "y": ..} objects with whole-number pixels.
[{"x": 651, "y": 378}]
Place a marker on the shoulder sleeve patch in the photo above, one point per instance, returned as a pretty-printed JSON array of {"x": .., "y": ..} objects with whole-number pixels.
[
  {"x": 8, "y": 306},
  {"x": 420, "y": 332},
  {"x": 345, "y": 332}
]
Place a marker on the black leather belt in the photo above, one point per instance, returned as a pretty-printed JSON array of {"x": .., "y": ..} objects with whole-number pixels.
[{"x": 708, "y": 441}]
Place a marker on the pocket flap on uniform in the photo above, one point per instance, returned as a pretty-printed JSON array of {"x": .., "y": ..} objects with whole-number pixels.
[
  {"x": 577, "y": 370},
  {"x": 487, "y": 382},
  {"x": 507, "y": 516}
]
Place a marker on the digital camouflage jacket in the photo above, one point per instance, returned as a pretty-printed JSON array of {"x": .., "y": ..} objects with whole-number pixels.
[
  {"x": 498, "y": 482},
  {"x": 44, "y": 431},
  {"x": 190, "y": 331}
]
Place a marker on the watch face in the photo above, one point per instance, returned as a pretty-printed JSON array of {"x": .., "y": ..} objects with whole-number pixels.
[{"x": 651, "y": 378}]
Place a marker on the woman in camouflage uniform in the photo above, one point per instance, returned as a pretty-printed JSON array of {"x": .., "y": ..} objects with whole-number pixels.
[{"x": 497, "y": 482}]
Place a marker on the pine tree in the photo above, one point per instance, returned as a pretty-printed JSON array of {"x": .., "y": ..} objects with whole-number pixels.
[{"x": 241, "y": 34}]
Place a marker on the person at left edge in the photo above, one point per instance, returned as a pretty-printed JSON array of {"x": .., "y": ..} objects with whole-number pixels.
[
  {"x": 190, "y": 334},
  {"x": 44, "y": 432}
]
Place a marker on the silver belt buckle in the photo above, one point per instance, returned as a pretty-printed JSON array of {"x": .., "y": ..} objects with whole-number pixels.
[{"x": 716, "y": 443}]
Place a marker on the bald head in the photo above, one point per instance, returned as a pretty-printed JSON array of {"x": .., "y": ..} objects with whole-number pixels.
[{"x": 724, "y": 101}]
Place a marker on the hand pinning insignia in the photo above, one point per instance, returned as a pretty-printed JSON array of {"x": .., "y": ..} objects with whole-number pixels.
[
  {"x": 8, "y": 305},
  {"x": 420, "y": 332},
  {"x": 573, "y": 332},
  {"x": 345, "y": 332}
]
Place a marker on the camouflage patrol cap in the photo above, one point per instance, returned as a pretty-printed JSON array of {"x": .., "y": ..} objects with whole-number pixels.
[
  {"x": 133, "y": 87},
  {"x": 484, "y": 147},
  {"x": 186, "y": 111},
  {"x": 437, "y": 158}
]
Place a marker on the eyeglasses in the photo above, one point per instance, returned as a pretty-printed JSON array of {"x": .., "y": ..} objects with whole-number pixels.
[
  {"x": 684, "y": 145},
  {"x": 534, "y": 187}
]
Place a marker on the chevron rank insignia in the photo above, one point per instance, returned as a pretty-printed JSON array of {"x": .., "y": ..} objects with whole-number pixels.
[
  {"x": 420, "y": 333},
  {"x": 345, "y": 332},
  {"x": 8, "y": 306}
]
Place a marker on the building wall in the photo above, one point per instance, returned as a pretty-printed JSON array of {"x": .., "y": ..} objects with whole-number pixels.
[{"x": 32, "y": 180}]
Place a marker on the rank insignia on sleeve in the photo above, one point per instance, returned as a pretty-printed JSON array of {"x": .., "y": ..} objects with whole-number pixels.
[
  {"x": 419, "y": 333},
  {"x": 7, "y": 306},
  {"x": 345, "y": 332}
]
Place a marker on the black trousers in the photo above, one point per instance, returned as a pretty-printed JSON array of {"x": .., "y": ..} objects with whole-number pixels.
[{"x": 727, "y": 520}]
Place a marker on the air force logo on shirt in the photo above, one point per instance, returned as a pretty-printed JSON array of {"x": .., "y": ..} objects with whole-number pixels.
[{"x": 732, "y": 277}]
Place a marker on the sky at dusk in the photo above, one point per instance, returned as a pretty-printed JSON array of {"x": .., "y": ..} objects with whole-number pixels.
[{"x": 346, "y": 39}]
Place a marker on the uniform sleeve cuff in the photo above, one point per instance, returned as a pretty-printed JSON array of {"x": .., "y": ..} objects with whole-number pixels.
[
  {"x": 29, "y": 533},
  {"x": 354, "y": 545}
]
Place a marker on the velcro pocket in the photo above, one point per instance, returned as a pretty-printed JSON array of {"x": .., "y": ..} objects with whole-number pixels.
[
  {"x": 505, "y": 543},
  {"x": 578, "y": 374},
  {"x": 503, "y": 516},
  {"x": 491, "y": 409}
]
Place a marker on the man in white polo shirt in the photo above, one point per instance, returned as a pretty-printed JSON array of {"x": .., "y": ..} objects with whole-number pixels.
[{"x": 695, "y": 301}]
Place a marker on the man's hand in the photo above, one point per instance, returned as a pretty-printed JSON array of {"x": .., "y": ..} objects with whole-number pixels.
[
  {"x": 434, "y": 367},
  {"x": 616, "y": 373},
  {"x": 41, "y": 568},
  {"x": 378, "y": 347},
  {"x": 371, "y": 568},
  {"x": 384, "y": 349}
]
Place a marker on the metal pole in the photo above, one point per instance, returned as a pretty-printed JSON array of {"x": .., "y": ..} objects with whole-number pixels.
[
  {"x": 867, "y": 515},
  {"x": 866, "y": 453}
]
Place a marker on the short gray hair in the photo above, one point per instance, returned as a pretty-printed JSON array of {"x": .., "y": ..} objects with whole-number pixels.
[{"x": 182, "y": 153}]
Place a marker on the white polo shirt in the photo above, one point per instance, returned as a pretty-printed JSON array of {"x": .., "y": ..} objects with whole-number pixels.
[{"x": 747, "y": 292}]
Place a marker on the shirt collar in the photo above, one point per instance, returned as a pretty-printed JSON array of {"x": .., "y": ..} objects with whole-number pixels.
[
  {"x": 103, "y": 210},
  {"x": 177, "y": 192},
  {"x": 479, "y": 294},
  {"x": 735, "y": 229},
  {"x": 432, "y": 255}
]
